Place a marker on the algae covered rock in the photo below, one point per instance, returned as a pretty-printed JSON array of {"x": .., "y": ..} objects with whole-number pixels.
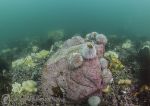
[{"x": 76, "y": 70}]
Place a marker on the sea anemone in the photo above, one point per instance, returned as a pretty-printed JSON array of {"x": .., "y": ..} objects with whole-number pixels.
[
  {"x": 104, "y": 63},
  {"x": 75, "y": 60},
  {"x": 94, "y": 101},
  {"x": 88, "y": 51},
  {"x": 101, "y": 39}
]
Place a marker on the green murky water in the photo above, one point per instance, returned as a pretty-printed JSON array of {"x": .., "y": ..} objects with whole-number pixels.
[{"x": 27, "y": 18}]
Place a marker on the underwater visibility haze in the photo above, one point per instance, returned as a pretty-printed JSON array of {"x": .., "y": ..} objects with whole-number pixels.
[
  {"x": 75, "y": 52},
  {"x": 19, "y": 19}
]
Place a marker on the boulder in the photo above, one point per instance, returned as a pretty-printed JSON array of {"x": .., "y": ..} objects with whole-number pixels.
[{"x": 72, "y": 72}]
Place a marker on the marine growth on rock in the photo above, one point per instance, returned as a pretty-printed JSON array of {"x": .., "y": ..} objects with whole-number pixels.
[{"x": 77, "y": 69}]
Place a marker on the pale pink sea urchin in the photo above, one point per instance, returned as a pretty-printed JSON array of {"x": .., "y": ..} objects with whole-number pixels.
[
  {"x": 104, "y": 63},
  {"x": 88, "y": 51},
  {"x": 107, "y": 76},
  {"x": 91, "y": 36},
  {"x": 101, "y": 39}
]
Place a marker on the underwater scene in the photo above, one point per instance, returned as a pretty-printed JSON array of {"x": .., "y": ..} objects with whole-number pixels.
[{"x": 74, "y": 52}]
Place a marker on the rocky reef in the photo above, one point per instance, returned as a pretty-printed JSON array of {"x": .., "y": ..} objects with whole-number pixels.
[{"x": 77, "y": 70}]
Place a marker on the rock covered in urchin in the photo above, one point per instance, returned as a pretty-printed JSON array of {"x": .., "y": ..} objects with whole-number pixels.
[
  {"x": 88, "y": 51},
  {"x": 78, "y": 83},
  {"x": 101, "y": 39},
  {"x": 75, "y": 69},
  {"x": 94, "y": 101},
  {"x": 104, "y": 63}
]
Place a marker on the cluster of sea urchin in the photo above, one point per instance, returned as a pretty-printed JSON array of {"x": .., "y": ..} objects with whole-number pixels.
[
  {"x": 96, "y": 38},
  {"x": 106, "y": 73},
  {"x": 88, "y": 51},
  {"x": 91, "y": 36}
]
